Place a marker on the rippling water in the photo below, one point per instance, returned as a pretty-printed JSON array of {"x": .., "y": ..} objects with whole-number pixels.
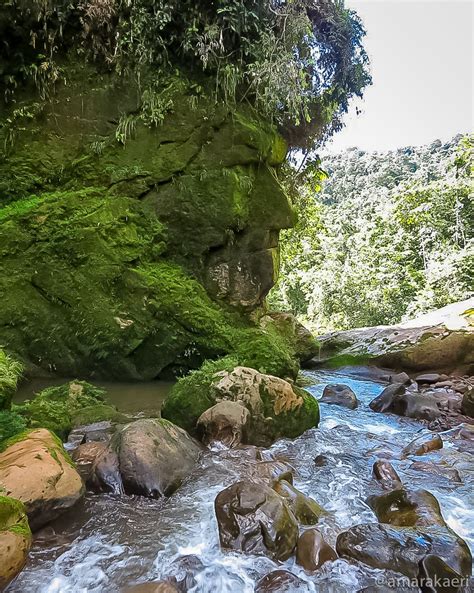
[{"x": 108, "y": 542}]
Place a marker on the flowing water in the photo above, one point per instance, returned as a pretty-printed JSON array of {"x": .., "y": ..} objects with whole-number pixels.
[{"x": 109, "y": 542}]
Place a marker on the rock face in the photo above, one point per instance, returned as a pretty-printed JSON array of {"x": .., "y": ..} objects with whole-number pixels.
[
  {"x": 312, "y": 551},
  {"x": 305, "y": 345},
  {"x": 396, "y": 399},
  {"x": 277, "y": 408},
  {"x": 15, "y": 539},
  {"x": 154, "y": 456},
  {"x": 226, "y": 422},
  {"x": 442, "y": 340},
  {"x": 37, "y": 471},
  {"x": 341, "y": 395},
  {"x": 188, "y": 211},
  {"x": 252, "y": 518}
]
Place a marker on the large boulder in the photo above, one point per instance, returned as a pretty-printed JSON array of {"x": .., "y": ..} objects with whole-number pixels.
[
  {"x": 15, "y": 539},
  {"x": 304, "y": 343},
  {"x": 253, "y": 518},
  {"x": 340, "y": 395},
  {"x": 404, "y": 549},
  {"x": 396, "y": 399},
  {"x": 441, "y": 340},
  {"x": 154, "y": 456},
  {"x": 36, "y": 470},
  {"x": 277, "y": 408}
]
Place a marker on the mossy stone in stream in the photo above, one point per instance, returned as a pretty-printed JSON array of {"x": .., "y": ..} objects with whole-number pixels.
[{"x": 61, "y": 408}]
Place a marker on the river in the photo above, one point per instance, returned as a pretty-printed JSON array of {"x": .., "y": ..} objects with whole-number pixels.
[{"x": 108, "y": 541}]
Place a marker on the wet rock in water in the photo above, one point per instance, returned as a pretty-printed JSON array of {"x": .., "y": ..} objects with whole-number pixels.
[
  {"x": 253, "y": 518},
  {"x": 396, "y": 400},
  {"x": 341, "y": 395},
  {"x": 227, "y": 422},
  {"x": 15, "y": 539},
  {"x": 98, "y": 431},
  {"x": 467, "y": 406},
  {"x": 282, "y": 581},
  {"x": 422, "y": 445},
  {"x": 449, "y": 580},
  {"x": 306, "y": 510},
  {"x": 449, "y": 473},
  {"x": 152, "y": 587},
  {"x": 37, "y": 470},
  {"x": 401, "y": 378},
  {"x": 85, "y": 455},
  {"x": 270, "y": 472},
  {"x": 428, "y": 378},
  {"x": 386, "y": 475},
  {"x": 321, "y": 460},
  {"x": 402, "y": 549},
  {"x": 312, "y": 551},
  {"x": 407, "y": 508},
  {"x": 184, "y": 570},
  {"x": 154, "y": 456}
]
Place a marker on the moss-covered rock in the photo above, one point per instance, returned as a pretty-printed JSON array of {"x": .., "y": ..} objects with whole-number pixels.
[
  {"x": 128, "y": 250},
  {"x": 15, "y": 538},
  {"x": 277, "y": 408},
  {"x": 60, "y": 409}
]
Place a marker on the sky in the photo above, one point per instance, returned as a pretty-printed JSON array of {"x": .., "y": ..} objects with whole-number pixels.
[{"x": 421, "y": 55}]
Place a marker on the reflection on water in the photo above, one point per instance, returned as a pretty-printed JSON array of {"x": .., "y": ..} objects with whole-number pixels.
[
  {"x": 129, "y": 397},
  {"x": 109, "y": 542}
]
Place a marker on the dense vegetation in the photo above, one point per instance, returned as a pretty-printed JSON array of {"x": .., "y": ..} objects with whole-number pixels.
[
  {"x": 389, "y": 236},
  {"x": 297, "y": 62}
]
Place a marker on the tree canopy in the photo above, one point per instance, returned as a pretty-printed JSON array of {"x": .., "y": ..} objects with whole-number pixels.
[{"x": 297, "y": 61}]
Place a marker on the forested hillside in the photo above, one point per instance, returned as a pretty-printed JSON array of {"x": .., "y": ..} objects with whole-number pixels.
[{"x": 389, "y": 235}]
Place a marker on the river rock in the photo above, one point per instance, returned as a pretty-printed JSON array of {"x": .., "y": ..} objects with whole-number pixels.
[
  {"x": 401, "y": 378},
  {"x": 341, "y": 395},
  {"x": 386, "y": 475},
  {"x": 184, "y": 570},
  {"x": 253, "y": 518},
  {"x": 302, "y": 340},
  {"x": 306, "y": 510},
  {"x": 407, "y": 508},
  {"x": 282, "y": 581},
  {"x": 396, "y": 399},
  {"x": 402, "y": 549},
  {"x": 277, "y": 408},
  {"x": 270, "y": 472},
  {"x": 312, "y": 551},
  {"x": 449, "y": 473},
  {"x": 85, "y": 455},
  {"x": 227, "y": 422},
  {"x": 154, "y": 456},
  {"x": 428, "y": 378},
  {"x": 467, "y": 406},
  {"x": 15, "y": 539},
  {"x": 37, "y": 471},
  {"x": 422, "y": 445}
]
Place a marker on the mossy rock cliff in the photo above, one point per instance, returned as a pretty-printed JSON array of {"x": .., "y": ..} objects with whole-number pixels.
[{"x": 130, "y": 250}]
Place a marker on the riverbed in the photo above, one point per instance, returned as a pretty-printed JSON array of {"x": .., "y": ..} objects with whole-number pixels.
[{"x": 108, "y": 542}]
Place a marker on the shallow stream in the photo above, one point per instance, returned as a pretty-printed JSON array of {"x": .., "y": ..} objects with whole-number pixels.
[{"x": 109, "y": 542}]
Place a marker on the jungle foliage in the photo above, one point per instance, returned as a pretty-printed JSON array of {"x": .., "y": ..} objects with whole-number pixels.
[
  {"x": 297, "y": 61},
  {"x": 390, "y": 236}
]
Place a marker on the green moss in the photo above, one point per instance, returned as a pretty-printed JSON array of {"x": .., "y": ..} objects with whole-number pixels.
[
  {"x": 13, "y": 517},
  {"x": 10, "y": 373},
  {"x": 342, "y": 360},
  {"x": 61, "y": 408},
  {"x": 11, "y": 424}
]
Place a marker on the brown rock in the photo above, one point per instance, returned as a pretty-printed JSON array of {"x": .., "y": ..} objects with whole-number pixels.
[
  {"x": 428, "y": 378},
  {"x": 312, "y": 551},
  {"x": 282, "y": 581},
  {"x": 396, "y": 399},
  {"x": 305, "y": 509},
  {"x": 271, "y": 472},
  {"x": 252, "y": 518},
  {"x": 37, "y": 471},
  {"x": 467, "y": 405},
  {"x": 15, "y": 539},
  {"x": 154, "y": 456},
  {"x": 422, "y": 445},
  {"x": 386, "y": 475},
  {"x": 152, "y": 587},
  {"x": 407, "y": 508},
  {"x": 227, "y": 422},
  {"x": 340, "y": 395}
]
